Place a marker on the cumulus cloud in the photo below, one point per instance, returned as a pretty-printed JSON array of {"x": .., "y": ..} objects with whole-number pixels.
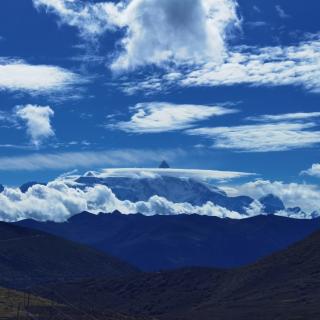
[
  {"x": 67, "y": 160},
  {"x": 155, "y": 32},
  {"x": 305, "y": 196},
  {"x": 63, "y": 198},
  {"x": 37, "y": 119},
  {"x": 175, "y": 31},
  {"x": 17, "y": 75},
  {"x": 156, "y": 117},
  {"x": 279, "y": 136},
  {"x": 59, "y": 200},
  {"x": 314, "y": 171}
]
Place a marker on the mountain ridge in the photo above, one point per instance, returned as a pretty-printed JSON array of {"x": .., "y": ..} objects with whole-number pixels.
[{"x": 158, "y": 242}]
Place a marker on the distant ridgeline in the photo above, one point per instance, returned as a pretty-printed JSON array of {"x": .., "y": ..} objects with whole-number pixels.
[{"x": 165, "y": 242}]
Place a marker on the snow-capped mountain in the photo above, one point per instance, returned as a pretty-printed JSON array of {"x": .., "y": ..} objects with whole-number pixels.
[
  {"x": 162, "y": 191},
  {"x": 175, "y": 189}
]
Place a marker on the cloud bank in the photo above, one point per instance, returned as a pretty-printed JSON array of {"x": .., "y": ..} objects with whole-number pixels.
[
  {"x": 58, "y": 202},
  {"x": 60, "y": 199},
  {"x": 305, "y": 196}
]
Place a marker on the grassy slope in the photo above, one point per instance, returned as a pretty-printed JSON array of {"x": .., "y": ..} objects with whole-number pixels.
[
  {"x": 11, "y": 301},
  {"x": 20, "y": 305}
]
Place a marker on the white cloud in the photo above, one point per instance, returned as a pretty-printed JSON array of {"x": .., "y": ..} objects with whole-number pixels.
[
  {"x": 314, "y": 171},
  {"x": 273, "y": 66},
  {"x": 92, "y": 19},
  {"x": 57, "y": 202},
  {"x": 296, "y": 65},
  {"x": 162, "y": 117},
  {"x": 175, "y": 31},
  {"x": 35, "y": 79},
  {"x": 278, "y": 136},
  {"x": 189, "y": 39},
  {"x": 305, "y": 196},
  {"x": 86, "y": 159},
  {"x": 37, "y": 120},
  {"x": 285, "y": 116},
  {"x": 181, "y": 173},
  {"x": 156, "y": 32}
]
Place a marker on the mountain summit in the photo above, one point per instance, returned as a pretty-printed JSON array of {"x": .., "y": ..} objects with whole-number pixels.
[{"x": 164, "y": 165}]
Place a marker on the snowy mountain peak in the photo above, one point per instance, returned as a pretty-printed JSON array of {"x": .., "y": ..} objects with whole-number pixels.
[
  {"x": 164, "y": 165},
  {"x": 89, "y": 174}
]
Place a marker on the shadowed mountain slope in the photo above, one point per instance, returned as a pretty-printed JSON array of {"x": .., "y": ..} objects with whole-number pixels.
[
  {"x": 286, "y": 285},
  {"x": 28, "y": 257}
]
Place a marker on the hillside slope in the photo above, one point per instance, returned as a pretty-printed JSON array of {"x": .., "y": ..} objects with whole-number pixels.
[
  {"x": 285, "y": 285},
  {"x": 28, "y": 257}
]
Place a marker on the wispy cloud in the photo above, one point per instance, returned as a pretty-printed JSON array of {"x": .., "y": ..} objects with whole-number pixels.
[
  {"x": 156, "y": 117},
  {"x": 285, "y": 116},
  {"x": 282, "y": 14},
  {"x": 88, "y": 159},
  {"x": 279, "y": 136},
  {"x": 273, "y": 66},
  {"x": 296, "y": 65},
  {"x": 17, "y": 75},
  {"x": 92, "y": 19},
  {"x": 38, "y": 122},
  {"x": 255, "y": 24}
]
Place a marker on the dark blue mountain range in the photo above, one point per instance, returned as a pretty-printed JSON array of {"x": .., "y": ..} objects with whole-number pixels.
[{"x": 166, "y": 242}]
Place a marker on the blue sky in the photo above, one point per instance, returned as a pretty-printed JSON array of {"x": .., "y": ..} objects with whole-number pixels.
[{"x": 207, "y": 84}]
